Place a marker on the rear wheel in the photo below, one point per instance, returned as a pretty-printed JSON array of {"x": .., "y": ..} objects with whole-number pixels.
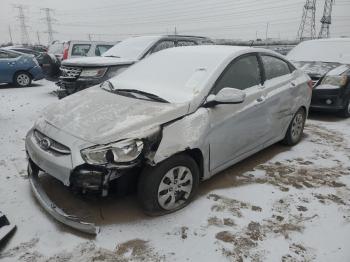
[
  {"x": 22, "y": 79},
  {"x": 346, "y": 111},
  {"x": 295, "y": 129},
  {"x": 169, "y": 186}
]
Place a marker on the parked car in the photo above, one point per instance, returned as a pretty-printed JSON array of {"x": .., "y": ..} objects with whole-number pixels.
[
  {"x": 48, "y": 63},
  {"x": 172, "y": 120},
  {"x": 78, "y": 74},
  {"x": 327, "y": 61},
  {"x": 74, "y": 48},
  {"x": 19, "y": 69}
]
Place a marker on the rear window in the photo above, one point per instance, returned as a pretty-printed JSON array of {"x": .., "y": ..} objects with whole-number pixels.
[
  {"x": 56, "y": 48},
  {"x": 80, "y": 49},
  {"x": 101, "y": 49},
  {"x": 274, "y": 67}
]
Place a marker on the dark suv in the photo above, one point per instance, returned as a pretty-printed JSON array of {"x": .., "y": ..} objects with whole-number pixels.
[
  {"x": 327, "y": 62},
  {"x": 81, "y": 73}
]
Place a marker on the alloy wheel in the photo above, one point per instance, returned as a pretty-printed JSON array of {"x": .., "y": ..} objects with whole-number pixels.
[
  {"x": 297, "y": 126},
  {"x": 175, "y": 188},
  {"x": 23, "y": 79}
]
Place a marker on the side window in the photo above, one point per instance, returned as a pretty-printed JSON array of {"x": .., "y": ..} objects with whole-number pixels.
[
  {"x": 101, "y": 49},
  {"x": 274, "y": 67},
  {"x": 241, "y": 74},
  {"x": 163, "y": 45},
  {"x": 7, "y": 55},
  {"x": 80, "y": 49},
  {"x": 185, "y": 43},
  {"x": 3, "y": 55}
]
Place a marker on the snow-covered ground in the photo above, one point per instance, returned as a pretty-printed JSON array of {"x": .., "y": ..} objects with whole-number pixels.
[{"x": 283, "y": 204}]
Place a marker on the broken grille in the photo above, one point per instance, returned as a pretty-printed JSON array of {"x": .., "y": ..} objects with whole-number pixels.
[{"x": 70, "y": 72}]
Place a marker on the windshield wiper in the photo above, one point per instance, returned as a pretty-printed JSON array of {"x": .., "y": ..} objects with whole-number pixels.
[{"x": 146, "y": 94}]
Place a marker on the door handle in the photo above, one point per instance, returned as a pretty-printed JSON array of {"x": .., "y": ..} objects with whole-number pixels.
[{"x": 293, "y": 84}]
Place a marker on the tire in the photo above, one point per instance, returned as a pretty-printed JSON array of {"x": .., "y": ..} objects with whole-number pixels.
[
  {"x": 159, "y": 195},
  {"x": 295, "y": 129},
  {"x": 346, "y": 111},
  {"x": 22, "y": 79}
]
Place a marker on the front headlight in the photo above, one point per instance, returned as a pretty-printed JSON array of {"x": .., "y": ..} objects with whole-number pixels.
[
  {"x": 335, "y": 80},
  {"x": 120, "y": 152},
  {"x": 94, "y": 72}
]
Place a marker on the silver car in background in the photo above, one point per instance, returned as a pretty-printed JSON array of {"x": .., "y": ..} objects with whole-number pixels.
[{"x": 172, "y": 120}]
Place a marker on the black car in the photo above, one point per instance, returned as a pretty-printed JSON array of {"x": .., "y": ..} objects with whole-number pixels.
[
  {"x": 81, "y": 73},
  {"x": 327, "y": 61}
]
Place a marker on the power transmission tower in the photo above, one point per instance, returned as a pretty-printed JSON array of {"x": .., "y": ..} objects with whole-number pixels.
[
  {"x": 38, "y": 37},
  {"x": 326, "y": 19},
  {"x": 49, "y": 21},
  {"x": 10, "y": 32},
  {"x": 22, "y": 20},
  {"x": 307, "y": 28}
]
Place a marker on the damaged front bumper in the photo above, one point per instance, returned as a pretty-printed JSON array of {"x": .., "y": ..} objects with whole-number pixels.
[{"x": 52, "y": 209}]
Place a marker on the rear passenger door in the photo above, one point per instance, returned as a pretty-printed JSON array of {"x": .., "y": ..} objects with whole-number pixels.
[{"x": 278, "y": 91}]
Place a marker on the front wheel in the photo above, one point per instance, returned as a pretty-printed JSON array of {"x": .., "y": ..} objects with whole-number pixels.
[
  {"x": 22, "y": 79},
  {"x": 169, "y": 186},
  {"x": 295, "y": 129}
]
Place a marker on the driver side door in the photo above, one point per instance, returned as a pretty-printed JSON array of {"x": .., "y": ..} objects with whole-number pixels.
[{"x": 237, "y": 129}]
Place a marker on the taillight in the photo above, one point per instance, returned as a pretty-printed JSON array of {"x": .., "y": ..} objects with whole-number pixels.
[
  {"x": 65, "y": 51},
  {"x": 310, "y": 84}
]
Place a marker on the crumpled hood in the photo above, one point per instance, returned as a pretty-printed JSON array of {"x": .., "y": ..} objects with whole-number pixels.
[
  {"x": 97, "y": 61},
  {"x": 101, "y": 117},
  {"x": 316, "y": 69}
]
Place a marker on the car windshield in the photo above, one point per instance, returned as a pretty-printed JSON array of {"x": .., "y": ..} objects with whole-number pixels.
[
  {"x": 322, "y": 51},
  {"x": 176, "y": 75},
  {"x": 132, "y": 48}
]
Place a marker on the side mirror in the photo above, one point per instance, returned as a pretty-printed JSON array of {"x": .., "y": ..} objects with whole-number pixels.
[{"x": 227, "y": 95}]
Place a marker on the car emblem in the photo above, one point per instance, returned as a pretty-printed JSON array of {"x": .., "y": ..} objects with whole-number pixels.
[{"x": 45, "y": 144}]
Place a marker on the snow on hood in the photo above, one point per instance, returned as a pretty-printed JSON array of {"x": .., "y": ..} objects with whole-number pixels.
[
  {"x": 317, "y": 69},
  {"x": 96, "y": 61},
  {"x": 101, "y": 117}
]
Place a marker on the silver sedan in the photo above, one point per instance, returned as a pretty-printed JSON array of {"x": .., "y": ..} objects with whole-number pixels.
[{"x": 165, "y": 124}]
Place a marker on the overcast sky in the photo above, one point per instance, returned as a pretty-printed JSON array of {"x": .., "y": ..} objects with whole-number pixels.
[{"x": 118, "y": 19}]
